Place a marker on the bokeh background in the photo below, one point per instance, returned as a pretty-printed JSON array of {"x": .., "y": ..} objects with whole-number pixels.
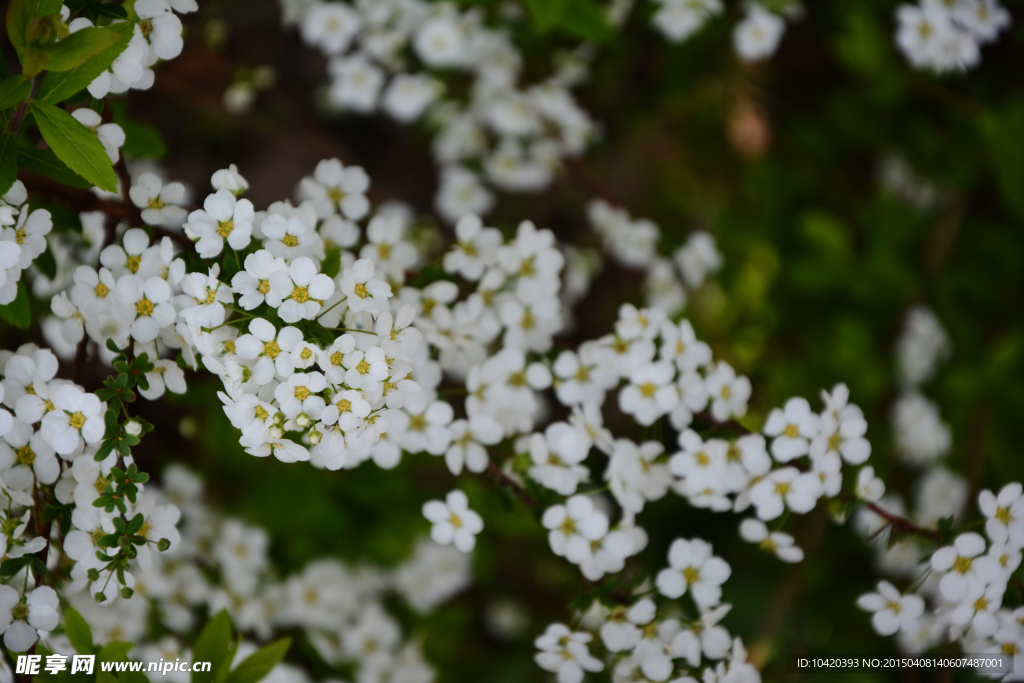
[{"x": 842, "y": 188}]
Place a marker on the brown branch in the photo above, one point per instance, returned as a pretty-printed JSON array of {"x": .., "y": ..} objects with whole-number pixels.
[{"x": 900, "y": 523}]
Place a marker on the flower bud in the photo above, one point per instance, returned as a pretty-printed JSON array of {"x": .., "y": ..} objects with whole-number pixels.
[
  {"x": 99, "y": 596},
  {"x": 276, "y": 432},
  {"x": 315, "y": 436},
  {"x": 94, "y": 574},
  {"x": 163, "y": 544},
  {"x": 127, "y": 592},
  {"x": 133, "y": 427},
  {"x": 302, "y": 419}
]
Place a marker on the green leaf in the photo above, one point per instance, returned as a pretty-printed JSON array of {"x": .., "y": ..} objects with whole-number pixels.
[
  {"x": 79, "y": 47},
  {"x": 59, "y": 86},
  {"x": 78, "y": 632},
  {"x": 17, "y": 312},
  {"x": 75, "y": 145},
  {"x": 19, "y": 14},
  {"x": 546, "y": 13},
  {"x": 45, "y": 162},
  {"x": 13, "y": 90},
  {"x": 585, "y": 19},
  {"x": 116, "y": 651},
  {"x": 332, "y": 263},
  {"x": 212, "y": 646},
  {"x": 256, "y": 666},
  {"x": 141, "y": 140},
  {"x": 47, "y": 264},
  {"x": 13, "y": 566},
  {"x": 8, "y": 163}
]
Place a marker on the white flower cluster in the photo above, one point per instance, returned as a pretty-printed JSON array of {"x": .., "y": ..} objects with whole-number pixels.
[
  {"x": 155, "y": 36},
  {"x": 222, "y": 563},
  {"x": 394, "y": 55},
  {"x": 51, "y": 440},
  {"x": 22, "y": 238},
  {"x": 957, "y": 595},
  {"x": 754, "y": 38},
  {"x": 640, "y": 644},
  {"x": 633, "y": 243},
  {"x": 947, "y": 35}
]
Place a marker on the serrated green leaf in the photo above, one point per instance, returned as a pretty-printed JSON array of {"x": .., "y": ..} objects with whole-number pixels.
[
  {"x": 75, "y": 145},
  {"x": 44, "y": 162},
  {"x": 78, "y": 632},
  {"x": 13, "y": 90},
  {"x": 58, "y": 86},
  {"x": 212, "y": 646},
  {"x": 256, "y": 666},
  {"x": 79, "y": 47},
  {"x": 18, "y": 312},
  {"x": 8, "y": 163}
]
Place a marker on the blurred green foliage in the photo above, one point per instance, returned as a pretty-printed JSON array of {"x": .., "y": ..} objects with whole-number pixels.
[{"x": 782, "y": 162}]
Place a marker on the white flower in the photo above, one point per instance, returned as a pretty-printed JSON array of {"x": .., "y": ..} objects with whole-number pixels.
[
  {"x": 780, "y": 544},
  {"x": 26, "y": 460},
  {"x": 223, "y": 217},
  {"x": 475, "y": 249},
  {"x": 958, "y": 562},
  {"x": 363, "y": 291},
  {"x": 331, "y": 26},
  {"x": 300, "y": 289},
  {"x": 409, "y": 95},
  {"x": 892, "y": 611},
  {"x": 21, "y": 618},
  {"x": 77, "y": 416},
  {"x": 693, "y": 567},
  {"x": 679, "y": 19},
  {"x": 469, "y": 440},
  {"x": 366, "y": 370},
  {"x": 620, "y": 632},
  {"x": 758, "y": 35},
  {"x": 145, "y": 305},
  {"x": 785, "y": 487},
  {"x": 841, "y": 429},
  {"x": 729, "y": 394},
  {"x": 869, "y": 487},
  {"x": 706, "y": 637},
  {"x": 650, "y": 394},
  {"x": 272, "y": 348},
  {"x": 454, "y": 523},
  {"x": 577, "y": 518},
  {"x": 698, "y": 258},
  {"x": 110, "y": 134},
  {"x": 158, "y": 201},
  {"x": 793, "y": 428},
  {"x": 335, "y": 185},
  {"x": 253, "y": 283},
  {"x": 161, "y": 27},
  {"x": 679, "y": 344},
  {"x": 440, "y": 42},
  {"x": 229, "y": 179},
  {"x": 557, "y": 456},
  {"x": 299, "y": 395},
  {"x": 1005, "y": 514},
  {"x": 461, "y": 192},
  {"x": 565, "y": 653},
  {"x": 356, "y": 85}
]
